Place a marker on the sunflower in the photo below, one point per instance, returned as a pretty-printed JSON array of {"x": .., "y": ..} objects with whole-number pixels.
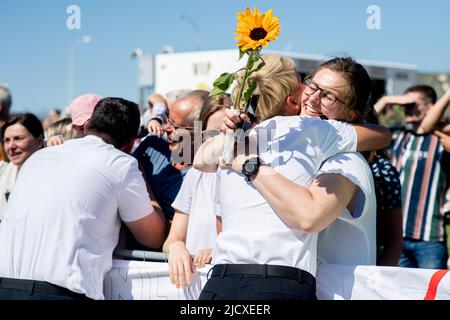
[{"x": 256, "y": 30}]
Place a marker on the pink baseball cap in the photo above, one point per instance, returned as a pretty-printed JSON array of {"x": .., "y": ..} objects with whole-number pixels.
[{"x": 82, "y": 107}]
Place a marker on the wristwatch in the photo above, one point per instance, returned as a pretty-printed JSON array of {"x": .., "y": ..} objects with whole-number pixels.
[{"x": 250, "y": 167}]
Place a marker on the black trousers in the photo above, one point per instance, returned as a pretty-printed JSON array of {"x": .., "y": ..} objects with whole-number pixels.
[
  {"x": 18, "y": 289},
  {"x": 258, "y": 282}
]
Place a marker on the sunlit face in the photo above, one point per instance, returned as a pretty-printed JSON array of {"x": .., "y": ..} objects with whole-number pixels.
[
  {"x": 177, "y": 124},
  {"x": 214, "y": 123},
  {"x": 216, "y": 119},
  {"x": 330, "y": 86},
  {"x": 20, "y": 144}
]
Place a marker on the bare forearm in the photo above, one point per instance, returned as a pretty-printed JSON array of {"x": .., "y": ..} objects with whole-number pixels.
[
  {"x": 170, "y": 239},
  {"x": 435, "y": 114},
  {"x": 372, "y": 137},
  {"x": 207, "y": 156},
  {"x": 178, "y": 230},
  {"x": 381, "y": 104},
  {"x": 309, "y": 209},
  {"x": 288, "y": 199},
  {"x": 387, "y": 100}
]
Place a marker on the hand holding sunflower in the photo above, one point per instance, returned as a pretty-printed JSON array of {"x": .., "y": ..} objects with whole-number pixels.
[{"x": 254, "y": 31}]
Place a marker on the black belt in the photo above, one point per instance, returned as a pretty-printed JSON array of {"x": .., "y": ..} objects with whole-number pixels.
[
  {"x": 38, "y": 287},
  {"x": 263, "y": 271}
]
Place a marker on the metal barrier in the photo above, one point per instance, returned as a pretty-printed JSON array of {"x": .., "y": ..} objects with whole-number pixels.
[{"x": 140, "y": 255}]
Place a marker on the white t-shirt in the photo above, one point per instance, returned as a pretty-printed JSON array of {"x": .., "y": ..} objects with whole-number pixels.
[
  {"x": 252, "y": 232},
  {"x": 62, "y": 221},
  {"x": 8, "y": 173},
  {"x": 351, "y": 239},
  {"x": 196, "y": 198}
]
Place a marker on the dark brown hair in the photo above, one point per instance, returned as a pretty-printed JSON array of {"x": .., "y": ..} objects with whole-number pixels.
[
  {"x": 29, "y": 121},
  {"x": 211, "y": 105},
  {"x": 427, "y": 92},
  {"x": 358, "y": 79}
]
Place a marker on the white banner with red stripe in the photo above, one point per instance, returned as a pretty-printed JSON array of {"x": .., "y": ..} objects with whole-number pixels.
[{"x": 137, "y": 280}]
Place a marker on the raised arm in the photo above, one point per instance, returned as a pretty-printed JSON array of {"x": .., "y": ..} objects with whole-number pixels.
[
  {"x": 435, "y": 114},
  {"x": 388, "y": 100}
]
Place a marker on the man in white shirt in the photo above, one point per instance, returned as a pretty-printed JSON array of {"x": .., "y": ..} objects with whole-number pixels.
[{"x": 62, "y": 221}]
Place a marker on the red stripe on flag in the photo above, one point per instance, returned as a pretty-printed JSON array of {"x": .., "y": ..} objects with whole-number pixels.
[{"x": 434, "y": 282}]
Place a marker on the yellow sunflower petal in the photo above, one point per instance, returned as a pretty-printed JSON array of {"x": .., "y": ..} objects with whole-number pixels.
[
  {"x": 249, "y": 25},
  {"x": 272, "y": 35},
  {"x": 266, "y": 21}
]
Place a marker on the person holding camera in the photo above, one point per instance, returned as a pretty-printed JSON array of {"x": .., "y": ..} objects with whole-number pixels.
[{"x": 423, "y": 165}]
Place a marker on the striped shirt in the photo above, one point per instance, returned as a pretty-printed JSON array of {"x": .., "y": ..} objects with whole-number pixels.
[{"x": 421, "y": 162}]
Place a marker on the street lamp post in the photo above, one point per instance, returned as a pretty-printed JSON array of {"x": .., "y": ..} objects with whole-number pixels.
[
  {"x": 71, "y": 67},
  {"x": 145, "y": 73},
  {"x": 195, "y": 27}
]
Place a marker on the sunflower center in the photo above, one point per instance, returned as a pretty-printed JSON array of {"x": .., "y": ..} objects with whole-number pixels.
[{"x": 258, "y": 34}]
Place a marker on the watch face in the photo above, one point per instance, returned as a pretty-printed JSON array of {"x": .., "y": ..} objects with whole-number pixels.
[{"x": 250, "y": 166}]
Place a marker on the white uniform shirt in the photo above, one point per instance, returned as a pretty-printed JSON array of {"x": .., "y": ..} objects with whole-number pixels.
[
  {"x": 197, "y": 198},
  {"x": 8, "y": 173},
  {"x": 252, "y": 232},
  {"x": 351, "y": 239},
  {"x": 62, "y": 221}
]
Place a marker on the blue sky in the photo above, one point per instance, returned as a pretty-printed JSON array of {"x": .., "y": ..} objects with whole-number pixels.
[{"x": 35, "y": 41}]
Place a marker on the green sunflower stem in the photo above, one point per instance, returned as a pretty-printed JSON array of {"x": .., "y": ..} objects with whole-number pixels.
[{"x": 248, "y": 68}]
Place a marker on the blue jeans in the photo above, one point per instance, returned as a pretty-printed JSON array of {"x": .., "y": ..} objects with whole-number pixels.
[{"x": 423, "y": 254}]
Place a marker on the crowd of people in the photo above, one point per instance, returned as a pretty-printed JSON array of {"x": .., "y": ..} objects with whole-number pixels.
[{"x": 315, "y": 180}]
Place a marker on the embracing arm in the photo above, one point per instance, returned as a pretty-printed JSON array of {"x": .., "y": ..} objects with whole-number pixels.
[
  {"x": 309, "y": 209},
  {"x": 321, "y": 203},
  {"x": 372, "y": 137}
]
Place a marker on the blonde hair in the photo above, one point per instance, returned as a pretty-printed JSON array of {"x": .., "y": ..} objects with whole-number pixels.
[
  {"x": 274, "y": 83},
  {"x": 63, "y": 128}
]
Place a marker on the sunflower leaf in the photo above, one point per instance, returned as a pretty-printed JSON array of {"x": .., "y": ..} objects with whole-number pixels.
[
  {"x": 216, "y": 92},
  {"x": 249, "y": 91},
  {"x": 260, "y": 65},
  {"x": 222, "y": 83}
]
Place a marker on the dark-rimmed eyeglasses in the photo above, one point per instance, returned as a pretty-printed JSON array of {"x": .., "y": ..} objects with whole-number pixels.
[
  {"x": 175, "y": 127},
  {"x": 327, "y": 98}
]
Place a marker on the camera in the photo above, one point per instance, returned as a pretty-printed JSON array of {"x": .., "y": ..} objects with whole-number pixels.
[{"x": 410, "y": 109}]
